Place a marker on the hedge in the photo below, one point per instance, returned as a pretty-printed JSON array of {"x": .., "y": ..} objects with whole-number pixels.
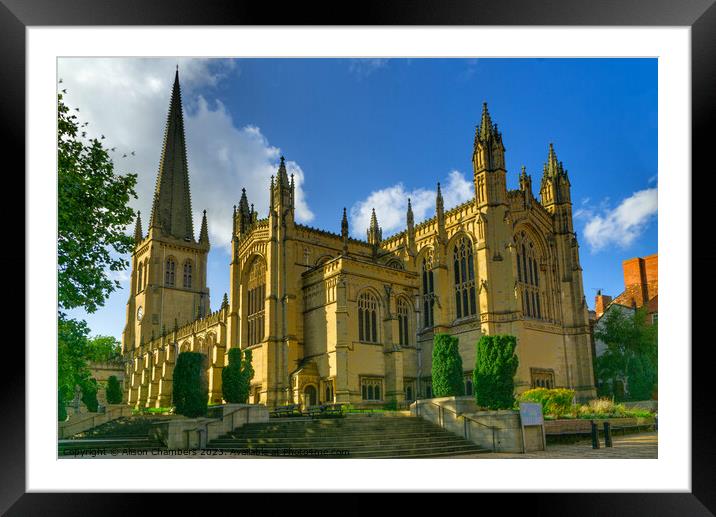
[
  {"x": 114, "y": 392},
  {"x": 447, "y": 375},
  {"x": 556, "y": 401},
  {"x": 191, "y": 391},
  {"x": 495, "y": 368}
]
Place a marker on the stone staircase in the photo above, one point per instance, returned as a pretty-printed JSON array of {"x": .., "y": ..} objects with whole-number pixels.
[
  {"x": 121, "y": 435},
  {"x": 355, "y": 436}
]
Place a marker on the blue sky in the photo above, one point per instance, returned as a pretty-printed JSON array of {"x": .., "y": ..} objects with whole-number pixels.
[{"x": 368, "y": 133}]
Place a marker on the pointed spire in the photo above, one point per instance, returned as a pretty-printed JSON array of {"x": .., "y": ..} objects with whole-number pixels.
[
  {"x": 439, "y": 203},
  {"x": 344, "y": 231},
  {"x": 525, "y": 180},
  {"x": 553, "y": 167},
  {"x": 344, "y": 224},
  {"x": 409, "y": 216},
  {"x": 204, "y": 233},
  {"x": 138, "y": 235},
  {"x": 375, "y": 233},
  {"x": 171, "y": 209},
  {"x": 485, "y": 122},
  {"x": 225, "y": 302},
  {"x": 282, "y": 174}
]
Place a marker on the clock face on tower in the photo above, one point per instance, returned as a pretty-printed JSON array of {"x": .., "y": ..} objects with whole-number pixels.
[{"x": 140, "y": 313}]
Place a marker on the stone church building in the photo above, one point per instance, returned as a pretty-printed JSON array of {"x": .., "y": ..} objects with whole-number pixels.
[{"x": 331, "y": 318}]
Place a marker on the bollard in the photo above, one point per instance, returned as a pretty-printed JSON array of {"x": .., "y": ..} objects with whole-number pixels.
[
  {"x": 607, "y": 434},
  {"x": 595, "y": 435}
]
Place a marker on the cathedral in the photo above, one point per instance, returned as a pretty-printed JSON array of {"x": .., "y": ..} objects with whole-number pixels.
[{"x": 334, "y": 319}]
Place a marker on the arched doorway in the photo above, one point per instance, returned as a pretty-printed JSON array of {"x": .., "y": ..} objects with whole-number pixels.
[{"x": 309, "y": 395}]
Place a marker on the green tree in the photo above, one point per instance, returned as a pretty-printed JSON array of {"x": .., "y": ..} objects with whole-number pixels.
[
  {"x": 495, "y": 368},
  {"x": 71, "y": 355},
  {"x": 114, "y": 392},
  {"x": 93, "y": 214},
  {"x": 447, "y": 375},
  {"x": 190, "y": 391},
  {"x": 103, "y": 348},
  {"x": 89, "y": 394},
  {"x": 630, "y": 357},
  {"x": 61, "y": 407}
]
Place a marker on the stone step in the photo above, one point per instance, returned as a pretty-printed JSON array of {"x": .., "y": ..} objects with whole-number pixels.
[
  {"x": 356, "y": 442},
  {"x": 382, "y": 452}
]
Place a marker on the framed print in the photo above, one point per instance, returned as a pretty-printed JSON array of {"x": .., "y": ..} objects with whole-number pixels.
[{"x": 229, "y": 96}]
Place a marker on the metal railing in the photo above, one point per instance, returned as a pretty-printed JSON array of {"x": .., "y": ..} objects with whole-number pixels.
[{"x": 465, "y": 419}]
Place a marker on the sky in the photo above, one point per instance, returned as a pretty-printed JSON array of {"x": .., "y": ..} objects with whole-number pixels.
[{"x": 369, "y": 133}]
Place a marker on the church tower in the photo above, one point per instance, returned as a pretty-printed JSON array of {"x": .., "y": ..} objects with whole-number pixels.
[
  {"x": 494, "y": 251},
  {"x": 556, "y": 198},
  {"x": 168, "y": 280}
]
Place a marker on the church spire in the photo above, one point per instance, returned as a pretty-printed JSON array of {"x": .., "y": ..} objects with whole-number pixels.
[
  {"x": 486, "y": 128},
  {"x": 375, "y": 233},
  {"x": 138, "y": 235},
  {"x": 409, "y": 215},
  {"x": 204, "y": 232},
  {"x": 171, "y": 209}
]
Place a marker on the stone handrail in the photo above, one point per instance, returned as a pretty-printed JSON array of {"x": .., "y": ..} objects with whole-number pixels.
[
  {"x": 441, "y": 420},
  {"x": 79, "y": 423}
]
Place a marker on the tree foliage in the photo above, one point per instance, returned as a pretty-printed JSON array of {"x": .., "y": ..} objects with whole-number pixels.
[
  {"x": 631, "y": 354},
  {"x": 447, "y": 375},
  {"x": 236, "y": 376},
  {"x": 89, "y": 395},
  {"x": 191, "y": 390},
  {"x": 72, "y": 348},
  {"x": 495, "y": 368},
  {"x": 93, "y": 215},
  {"x": 103, "y": 349},
  {"x": 114, "y": 391}
]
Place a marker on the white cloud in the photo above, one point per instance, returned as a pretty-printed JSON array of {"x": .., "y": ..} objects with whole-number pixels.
[
  {"x": 365, "y": 67},
  {"x": 621, "y": 226},
  {"x": 127, "y": 100},
  {"x": 391, "y": 204}
]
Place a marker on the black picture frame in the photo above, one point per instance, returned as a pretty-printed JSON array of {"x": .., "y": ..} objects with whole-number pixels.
[{"x": 700, "y": 15}]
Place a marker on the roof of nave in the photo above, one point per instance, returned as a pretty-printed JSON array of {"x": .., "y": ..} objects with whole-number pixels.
[{"x": 330, "y": 235}]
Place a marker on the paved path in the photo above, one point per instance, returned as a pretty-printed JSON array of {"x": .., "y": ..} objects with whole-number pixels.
[{"x": 630, "y": 446}]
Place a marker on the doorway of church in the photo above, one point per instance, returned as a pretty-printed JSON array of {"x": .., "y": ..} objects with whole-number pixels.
[{"x": 309, "y": 396}]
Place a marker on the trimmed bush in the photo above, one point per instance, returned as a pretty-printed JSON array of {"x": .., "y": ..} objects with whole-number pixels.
[
  {"x": 495, "y": 368},
  {"x": 191, "y": 391},
  {"x": 556, "y": 402},
  {"x": 231, "y": 378},
  {"x": 61, "y": 407},
  {"x": 114, "y": 392},
  {"x": 447, "y": 367},
  {"x": 236, "y": 377},
  {"x": 89, "y": 395}
]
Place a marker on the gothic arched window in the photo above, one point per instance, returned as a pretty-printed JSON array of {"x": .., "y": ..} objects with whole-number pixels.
[
  {"x": 255, "y": 302},
  {"x": 428, "y": 291},
  {"x": 169, "y": 272},
  {"x": 528, "y": 277},
  {"x": 367, "y": 318},
  {"x": 140, "y": 283},
  {"x": 403, "y": 321},
  {"x": 187, "y": 274},
  {"x": 464, "y": 271}
]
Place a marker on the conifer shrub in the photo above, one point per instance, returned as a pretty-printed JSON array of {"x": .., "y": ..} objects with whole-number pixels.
[
  {"x": 447, "y": 376},
  {"x": 89, "y": 395},
  {"x": 495, "y": 368},
  {"x": 236, "y": 377},
  {"x": 191, "y": 390},
  {"x": 114, "y": 392},
  {"x": 231, "y": 378}
]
